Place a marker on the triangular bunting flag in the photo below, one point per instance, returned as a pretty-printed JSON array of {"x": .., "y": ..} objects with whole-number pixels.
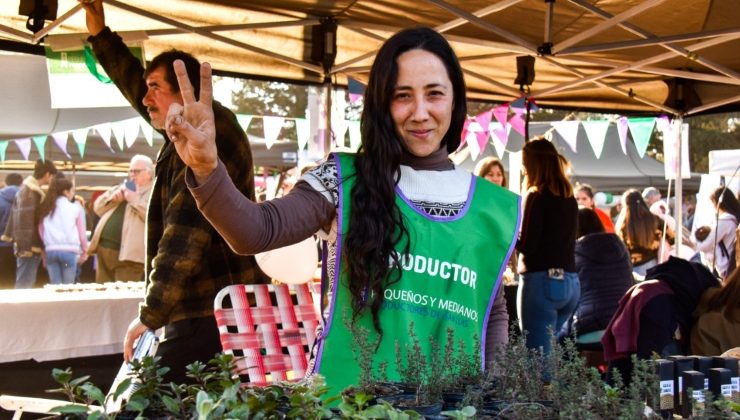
[
  {"x": 464, "y": 134},
  {"x": 303, "y": 132},
  {"x": 355, "y": 89},
  {"x": 501, "y": 113},
  {"x": 272, "y": 127},
  {"x": 3, "y": 148},
  {"x": 500, "y": 138},
  {"x": 119, "y": 131},
  {"x": 568, "y": 130},
  {"x": 60, "y": 139},
  {"x": 517, "y": 123},
  {"x": 244, "y": 121},
  {"x": 80, "y": 137},
  {"x": 622, "y": 128},
  {"x": 663, "y": 124},
  {"x": 355, "y": 136},
  {"x": 24, "y": 145},
  {"x": 484, "y": 119},
  {"x": 472, "y": 140},
  {"x": 104, "y": 131},
  {"x": 147, "y": 130},
  {"x": 641, "y": 129},
  {"x": 596, "y": 134},
  {"x": 500, "y": 133},
  {"x": 40, "y": 142},
  {"x": 339, "y": 130},
  {"x": 131, "y": 131},
  {"x": 518, "y": 102}
]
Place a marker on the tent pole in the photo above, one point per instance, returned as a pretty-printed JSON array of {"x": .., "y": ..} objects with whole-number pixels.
[
  {"x": 679, "y": 186},
  {"x": 328, "y": 134},
  {"x": 610, "y": 46}
]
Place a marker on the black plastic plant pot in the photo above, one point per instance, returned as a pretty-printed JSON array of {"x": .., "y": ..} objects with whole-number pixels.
[{"x": 408, "y": 402}]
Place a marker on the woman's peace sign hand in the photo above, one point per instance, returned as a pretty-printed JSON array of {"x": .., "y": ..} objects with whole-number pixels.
[{"x": 191, "y": 126}]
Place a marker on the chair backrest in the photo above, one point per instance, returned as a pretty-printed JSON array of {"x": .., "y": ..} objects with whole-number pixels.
[{"x": 272, "y": 338}]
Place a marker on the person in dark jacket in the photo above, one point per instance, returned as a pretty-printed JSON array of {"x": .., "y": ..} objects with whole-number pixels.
[
  {"x": 7, "y": 259},
  {"x": 187, "y": 262},
  {"x": 656, "y": 315},
  {"x": 605, "y": 273}
]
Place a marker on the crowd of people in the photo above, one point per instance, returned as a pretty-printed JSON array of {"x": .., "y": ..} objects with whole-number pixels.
[{"x": 395, "y": 216}]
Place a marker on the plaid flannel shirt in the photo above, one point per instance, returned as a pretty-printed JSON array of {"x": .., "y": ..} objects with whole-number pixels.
[{"x": 187, "y": 261}]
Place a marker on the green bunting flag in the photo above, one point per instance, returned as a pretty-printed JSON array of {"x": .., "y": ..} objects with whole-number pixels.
[
  {"x": 3, "y": 148},
  {"x": 40, "y": 142},
  {"x": 641, "y": 129}
]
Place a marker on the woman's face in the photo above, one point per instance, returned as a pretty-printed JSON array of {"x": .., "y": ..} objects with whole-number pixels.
[
  {"x": 495, "y": 175},
  {"x": 584, "y": 200},
  {"x": 422, "y": 102}
]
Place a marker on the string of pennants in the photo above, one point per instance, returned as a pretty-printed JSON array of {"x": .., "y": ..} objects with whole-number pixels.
[
  {"x": 125, "y": 133},
  {"x": 479, "y": 129}
]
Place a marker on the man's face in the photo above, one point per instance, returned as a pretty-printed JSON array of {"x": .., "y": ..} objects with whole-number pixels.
[
  {"x": 159, "y": 96},
  {"x": 139, "y": 173}
]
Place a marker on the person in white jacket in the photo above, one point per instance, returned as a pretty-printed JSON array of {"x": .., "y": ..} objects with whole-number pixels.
[
  {"x": 62, "y": 230},
  {"x": 716, "y": 242}
]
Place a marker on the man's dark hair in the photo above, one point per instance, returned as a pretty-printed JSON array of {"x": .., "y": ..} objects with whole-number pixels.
[
  {"x": 13, "y": 179},
  {"x": 165, "y": 60},
  {"x": 42, "y": 167}
]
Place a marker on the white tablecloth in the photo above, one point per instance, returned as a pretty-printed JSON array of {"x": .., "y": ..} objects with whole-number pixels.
[{"x": 53, "y": 324}]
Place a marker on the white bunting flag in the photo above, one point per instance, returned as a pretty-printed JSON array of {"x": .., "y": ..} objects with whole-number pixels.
[
  {"x": 104, "y": 130},
  {"x": 596, "y": 134},
  {"x": 355, "y": 136},
  {"x": 272, "y": 127},
  {"x": 568, "y": 130},
  {"x": 60, "y": 139},
  {"x": 147, "y": 130}
]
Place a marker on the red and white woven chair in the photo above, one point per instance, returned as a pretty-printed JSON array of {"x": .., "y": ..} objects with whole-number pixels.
[{"x": 271, "y": 340}]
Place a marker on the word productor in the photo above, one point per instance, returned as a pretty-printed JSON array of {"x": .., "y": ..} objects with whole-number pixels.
[{"x": 436, "y": 268}]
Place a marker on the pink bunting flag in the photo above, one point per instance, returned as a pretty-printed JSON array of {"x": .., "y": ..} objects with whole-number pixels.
[
  {"x": 568, "y": 130},
  {"x": 517, "y": 123},
  {"x": 501, "y": 132},
  {"x": 24, "y": 145},
  {"x": 501, "y": 113},
  {"x": 60, "y": 139},
  {"x": 484, "y": 119},
  {"x": 622, "y": 128}
]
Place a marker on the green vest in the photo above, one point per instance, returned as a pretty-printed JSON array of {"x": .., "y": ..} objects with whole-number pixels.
[{"x": 448, "y": 280}]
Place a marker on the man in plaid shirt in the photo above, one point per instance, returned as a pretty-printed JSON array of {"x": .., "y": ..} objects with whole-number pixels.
[{"x": 187, "y": 261}]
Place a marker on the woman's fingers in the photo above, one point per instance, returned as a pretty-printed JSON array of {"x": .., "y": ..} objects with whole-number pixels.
[
  {"x": 186, "y": 88},
  {"x": 206, "y": 85}
]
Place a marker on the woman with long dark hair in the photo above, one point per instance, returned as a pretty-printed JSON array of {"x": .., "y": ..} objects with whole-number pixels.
[
  {"x": 549, "y": 289},
  {"x": 716, "y": 242},
  {"x": 410, "y": 238},
  {"x": 717, "y": 328},
  {"x": 62, "y": 229},
  {"x": 642, "y": 233}
]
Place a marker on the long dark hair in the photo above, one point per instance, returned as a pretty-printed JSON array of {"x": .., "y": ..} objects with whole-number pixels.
[
  {"x": 727, "y": 300},
  {"x": 376, "y": 223},
  {"x": 57, "y": 187},
  {"x": 544, "y": 167},
  {"x": 727, "y": 201}
]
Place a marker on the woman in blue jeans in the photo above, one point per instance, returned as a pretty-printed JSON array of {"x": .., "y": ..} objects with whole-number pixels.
[
  {"x": 62, "y": 229},
  {"x": 549, "y": 289}
]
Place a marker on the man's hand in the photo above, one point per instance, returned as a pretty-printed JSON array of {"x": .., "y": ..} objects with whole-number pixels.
[
  {"x": 94, "y": 15},
  {"x": 135, "y": 330},
  {"x": 191, "y": 126}
]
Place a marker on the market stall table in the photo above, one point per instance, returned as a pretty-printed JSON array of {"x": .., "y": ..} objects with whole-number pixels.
[{"x": 63, "y": 322}]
